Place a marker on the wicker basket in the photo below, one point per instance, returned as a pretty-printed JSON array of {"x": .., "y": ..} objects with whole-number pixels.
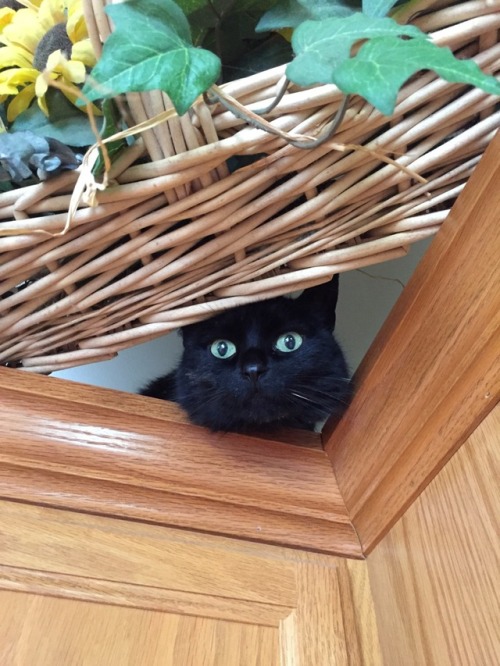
[{"x": 179, "y": 237}]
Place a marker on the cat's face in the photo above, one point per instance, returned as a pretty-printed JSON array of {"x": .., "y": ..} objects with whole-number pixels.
[{"x": 274, "y": 362}]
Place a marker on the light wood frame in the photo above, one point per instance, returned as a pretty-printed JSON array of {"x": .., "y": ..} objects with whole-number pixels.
[
  {"x": 433, "y": 372},
  {"x": 431, "y": 375}
]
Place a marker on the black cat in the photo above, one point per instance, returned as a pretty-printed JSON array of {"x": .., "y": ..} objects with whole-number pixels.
[{"x": 267, "y": 364}]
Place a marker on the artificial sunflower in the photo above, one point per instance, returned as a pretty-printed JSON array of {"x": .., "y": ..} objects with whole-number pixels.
[{"x": 41, "y": 35}]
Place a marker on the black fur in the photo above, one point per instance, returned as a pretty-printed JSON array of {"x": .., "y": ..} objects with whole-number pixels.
[{"x": 259, "y": 386}]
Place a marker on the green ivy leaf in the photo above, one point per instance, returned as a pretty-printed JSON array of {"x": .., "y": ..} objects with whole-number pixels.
[
  {"x": 376, "y": 8},
  {"x": 286, "y": 14},
  {"x": 189, "y": 6},
  {"x": 150, "y": 49},
  {"x": 291, "y": 13},
  {"x": 204, "y": 14},
  {"x": 266, "y": 54},
  {"x": 65, "y": 123},
  {"x": 229, "y": 31},
  {"x": 112, "y": 124},
  {"x": 253, "y": 5},
  {"x": 321, "y": 46},
  {"x": 382, "y": 66}
]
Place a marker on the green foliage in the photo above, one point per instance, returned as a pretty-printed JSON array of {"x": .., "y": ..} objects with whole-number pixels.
[
  {"x": 383, "y": 63},
  {"x": 190, "y": 6},
  {"x": 228, "y": 28},
  {"x": 65, "y": 122},
  {"x": 377, "y": 8},
  {"x": 321, "y": 46},
  {"x": 112, "y": 124},
  {"x": 151, "y": 48},
  {"x": 291, "y": 13},
  {"x": 382, "y": 66}
]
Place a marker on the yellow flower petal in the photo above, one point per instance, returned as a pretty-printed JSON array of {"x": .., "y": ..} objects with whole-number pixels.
[
  {"x": 18, "y": 76},
  {"x": 6, "y": 16},
  {"x": 71, "y": 70},
  {"x": 84, "y": 52},
  {"x": 24, "y": 31},
  {"x": 42, "y": 103},
  {"x": 6, "y": 90},
  {"x": 75, "y": 23},
  {"x": 74, "y": 71},
  {"x": 42, "y": 84},
  {"x": 21, "y": 102},
  {"x": 12, "y": 57},
  {"x": 51, "y": 12},
  {"x": 21, "y": 32},
  {"x": 55, "y": 60}
]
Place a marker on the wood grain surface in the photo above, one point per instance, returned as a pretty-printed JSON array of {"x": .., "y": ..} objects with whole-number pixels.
[
  {"x": 68, "y": 445},
  {"x": 433, "y": 372},
  {"x": 435, "y": 577},
  {"x": 83, "y": 590},
  {"x": 44, "y": 631}
]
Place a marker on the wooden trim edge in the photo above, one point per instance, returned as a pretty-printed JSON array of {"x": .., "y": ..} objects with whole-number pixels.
[
  {"x": 18, "y": 579},
  {"x": 432, "y": 374},
  {"x": 91, "y": 455},
  {"x": 108, "y": 498}
]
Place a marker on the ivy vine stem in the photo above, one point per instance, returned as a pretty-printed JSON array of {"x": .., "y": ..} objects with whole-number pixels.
[
  {"x": 216, "y": 94},
  {"x": 279, "y": 96}
]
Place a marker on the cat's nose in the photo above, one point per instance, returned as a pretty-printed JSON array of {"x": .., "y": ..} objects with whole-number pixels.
[
  {"x": 253, "y": 365},
  {"x": 253, "y": 371}
]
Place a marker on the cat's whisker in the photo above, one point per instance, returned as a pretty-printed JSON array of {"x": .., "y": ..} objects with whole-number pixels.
[
  {"x": 310, "y": 400},
  {"x": 347, "y": 380},
  {"x": 324, "y": 400},
  {"x": 302, "y": 397},
  {"x": 310, "y": 388},
  {"x": 318, "y": 394},
  {"x": 208, "y": 399}
]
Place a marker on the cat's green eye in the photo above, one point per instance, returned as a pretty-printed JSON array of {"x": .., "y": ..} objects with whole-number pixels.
[
  {"x": 223, "y": 349},
  {"x": 288, "y": 342}
]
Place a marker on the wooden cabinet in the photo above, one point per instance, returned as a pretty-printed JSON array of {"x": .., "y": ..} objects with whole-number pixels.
[
  {"x": 128, "y": 536},
  {"x": 83, "y": 589},
  {"x": 435, "y": 576}
]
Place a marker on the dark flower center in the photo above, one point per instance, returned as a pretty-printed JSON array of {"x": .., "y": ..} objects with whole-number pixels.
[{"x": 55, "y": 39}]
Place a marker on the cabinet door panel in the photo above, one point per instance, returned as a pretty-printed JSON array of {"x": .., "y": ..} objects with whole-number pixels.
[
  {"x": 43, "y": 630},
  {"x": 78, "y": 589}
]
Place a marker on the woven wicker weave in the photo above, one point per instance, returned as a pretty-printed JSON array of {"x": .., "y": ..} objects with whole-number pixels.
[{"x": 178, "y": 237}]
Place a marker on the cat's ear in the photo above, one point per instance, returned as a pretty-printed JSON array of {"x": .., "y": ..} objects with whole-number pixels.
[{"x": 321, "y": 301}]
